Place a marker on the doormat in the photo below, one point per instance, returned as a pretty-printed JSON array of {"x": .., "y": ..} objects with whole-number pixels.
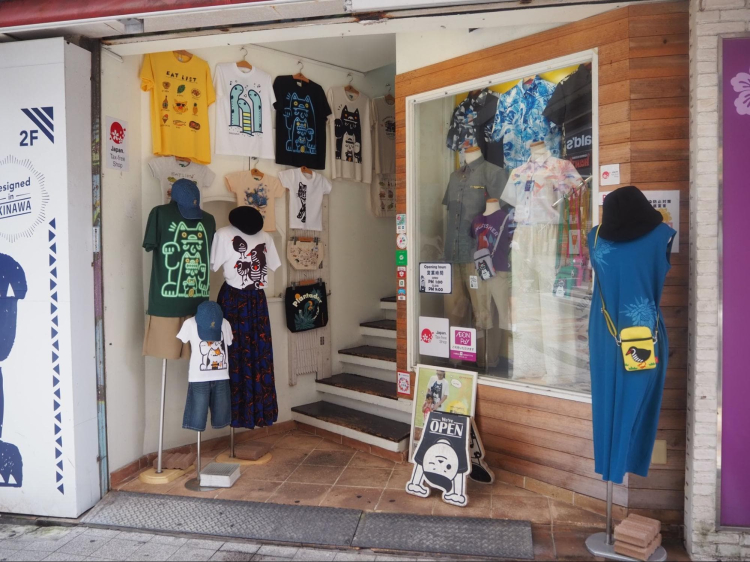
[
  {"x": 493, "y": 538},
  {"x": 237, "y": 519}
]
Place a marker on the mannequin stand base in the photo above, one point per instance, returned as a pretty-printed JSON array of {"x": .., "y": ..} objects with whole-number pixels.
[
  {"x": 225, "y": 458},
  {"x": 597, "y": 545},
  {"x": 194, "y": 485},
  {"x": 167, "y": 475}
]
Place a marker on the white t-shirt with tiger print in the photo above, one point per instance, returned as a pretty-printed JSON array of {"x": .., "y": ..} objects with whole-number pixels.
[{"x": 245, "y": 258}]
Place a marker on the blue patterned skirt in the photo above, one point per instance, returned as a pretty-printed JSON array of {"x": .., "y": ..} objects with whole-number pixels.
[{"x": 250, "y": 357}]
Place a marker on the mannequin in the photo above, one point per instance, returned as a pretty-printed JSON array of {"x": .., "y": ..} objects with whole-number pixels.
[
  {"x": 625, "y": 406},
  {"x": 493, "y": 206},
  {"x": 472, "y": 154},
  {"x": 246, "y": 253},
  {"x": 179, "y": 234}
]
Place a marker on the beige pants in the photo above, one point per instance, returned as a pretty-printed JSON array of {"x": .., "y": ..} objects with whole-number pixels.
[
  {"x": 160, "y": 339},
  {"x": 542, "y": 346}
]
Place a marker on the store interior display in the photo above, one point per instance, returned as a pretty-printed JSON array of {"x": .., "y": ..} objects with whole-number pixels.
[{"x": 516, "y": 242}]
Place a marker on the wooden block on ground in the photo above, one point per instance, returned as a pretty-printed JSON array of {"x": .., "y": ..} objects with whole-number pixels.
[
  {"x": 641, "y": 520},
  {"x": 641, "y": 553},
  {"x": 251, "y": 451},
  {"x": 179, "y": 461},
  {"x": 635, "y": 534}
]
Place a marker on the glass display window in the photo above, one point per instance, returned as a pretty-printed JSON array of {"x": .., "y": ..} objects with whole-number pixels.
[{"x": 500, "y": 199}]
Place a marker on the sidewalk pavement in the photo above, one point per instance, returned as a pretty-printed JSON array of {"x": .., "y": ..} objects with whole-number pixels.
[{"x": 31, "y": 542}]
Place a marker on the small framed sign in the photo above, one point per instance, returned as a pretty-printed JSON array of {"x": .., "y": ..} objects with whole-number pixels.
[{"x": 435, "y": 278}]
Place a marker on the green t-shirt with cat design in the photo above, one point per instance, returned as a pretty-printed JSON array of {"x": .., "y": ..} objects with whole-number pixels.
[{"x": 180, "y": 268}]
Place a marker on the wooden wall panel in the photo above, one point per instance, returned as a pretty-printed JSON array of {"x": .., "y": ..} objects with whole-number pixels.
[{"x": 643, "y": 126}]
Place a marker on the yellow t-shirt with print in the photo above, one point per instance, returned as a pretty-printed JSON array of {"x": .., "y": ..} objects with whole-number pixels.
[{"x": 180, "y": 95}]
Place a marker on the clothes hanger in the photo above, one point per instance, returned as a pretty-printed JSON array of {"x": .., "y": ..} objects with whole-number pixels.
[
  {"x": 255, "y": 172},
  {"x": 299, "y": 75},
  {"x": 307, "y": 171},
  {"x": 183, "y": 54},
  {"x": 473, "y": 149},
  {"x": 243, "y": 63},
  {"x": 528, "y": 80},
  {"x": 182, "y": 159},
  {"x": 474, "y": 93},
  {"x": 389, "y": 99},
  {"x": 349, "y": 88}
]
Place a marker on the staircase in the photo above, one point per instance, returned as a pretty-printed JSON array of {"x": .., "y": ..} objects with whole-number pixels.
[{"x": 361, "y": 403}]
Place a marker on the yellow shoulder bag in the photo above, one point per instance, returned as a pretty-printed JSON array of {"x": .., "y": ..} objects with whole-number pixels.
[{"x": 637, "y": 343}]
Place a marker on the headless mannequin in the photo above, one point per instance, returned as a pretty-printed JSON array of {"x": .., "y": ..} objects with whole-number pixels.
[
  {"x": 537, "y": 149},
  {"x": 472, "y": 154},
  {"x": 493, "y": 206},
  {"x": 498, "y": 343}
]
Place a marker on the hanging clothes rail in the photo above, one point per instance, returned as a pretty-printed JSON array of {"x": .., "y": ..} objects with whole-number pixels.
[{"x": 308, "y": 60}]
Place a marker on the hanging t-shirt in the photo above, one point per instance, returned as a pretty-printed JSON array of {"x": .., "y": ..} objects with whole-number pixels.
[
  {"x": 246, "y": 258},
  {"x": 301, "y": 113},
  {"x": 243, "y": 113},
  {"x": 179, "y": 270},
  {"x": 167, "y": 169},
  {"x": 350, "y": 127},
  {"x": 180, "y": 95},
  {"x": 384, "y": 131},
  {"x": 209, "y": 360},
  {"x": 256, "y": 192},
  {"x": 305, "y": 198},
  {"x": 492, "y": 232},
  {"x": 570, "y": 109}
]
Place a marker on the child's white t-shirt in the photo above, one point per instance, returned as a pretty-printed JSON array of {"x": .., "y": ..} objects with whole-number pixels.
[
  {"x": 244, "y": 101},
  {"x": 209, "y": 360},
  {"x": 245, "y": 258},
  {"x": 167, "y": 169},
  {"x": 305, "y": 198}
]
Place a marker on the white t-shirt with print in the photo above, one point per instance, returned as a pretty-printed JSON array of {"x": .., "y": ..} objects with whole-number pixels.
[
  {"x": 245, "y": 258},
  {"x": 438, "y": 388},
  {"x": 209, "y": 360},
  {"x": 244, "y": 101},
  {"x": 167, "y": 169},
  {"x": 305, "y": 198}
]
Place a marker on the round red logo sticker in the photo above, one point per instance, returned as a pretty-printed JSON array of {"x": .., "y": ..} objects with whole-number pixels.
[
  {"x": 116, "y": 133},
  {"x": 605, "y": 175},
  {"x": 426, "y": 335}
]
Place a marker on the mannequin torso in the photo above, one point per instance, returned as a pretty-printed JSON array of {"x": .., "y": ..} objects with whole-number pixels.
[{"x": 493, "y": 206}]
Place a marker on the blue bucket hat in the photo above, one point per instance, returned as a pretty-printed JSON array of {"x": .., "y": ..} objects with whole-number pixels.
[
  {"x": 208, "y": 318},
  {"x": 188, "y": 198}
]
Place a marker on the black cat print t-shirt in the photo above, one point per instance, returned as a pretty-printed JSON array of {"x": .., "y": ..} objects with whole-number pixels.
[
  {"x": 350, "y": 136},
  {"x": 302, "y": 111},
  {"x": 245, "y": 258}
]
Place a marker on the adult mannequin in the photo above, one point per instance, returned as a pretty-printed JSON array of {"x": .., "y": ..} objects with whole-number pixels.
[
  {"x": 472, "y": 154},
  {"x": 630, "y": 267}
]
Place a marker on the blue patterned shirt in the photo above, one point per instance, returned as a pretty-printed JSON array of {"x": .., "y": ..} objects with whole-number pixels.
[{"x": 519, "y": 121}]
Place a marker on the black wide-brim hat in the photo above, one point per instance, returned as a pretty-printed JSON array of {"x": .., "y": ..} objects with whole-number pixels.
[
  {"x": 246, "y": 219},
  {"x": 628, "y": 215}
]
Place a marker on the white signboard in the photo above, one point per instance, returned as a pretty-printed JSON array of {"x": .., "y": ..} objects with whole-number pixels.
[
  {"x": 435, "y": 278},
  {"x": 116, "y": 131},
  {"x": 668, "y": 204},
  {"x": 609, "y": 174},
  {"x": 49, "y": 441},
  {"x": 433, "y": 336}
]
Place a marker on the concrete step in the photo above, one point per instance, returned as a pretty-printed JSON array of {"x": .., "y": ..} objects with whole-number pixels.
[
  {"x": 371, "y": 391},
  {"x": 367, "y": 428},
  {"x": 388, "y": 303},
  {"x": 379, "y": 328},
  {"x": 369, "y": 356}
]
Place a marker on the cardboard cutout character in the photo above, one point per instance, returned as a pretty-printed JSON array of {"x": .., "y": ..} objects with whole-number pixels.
[{"x": 442, "y": 458}]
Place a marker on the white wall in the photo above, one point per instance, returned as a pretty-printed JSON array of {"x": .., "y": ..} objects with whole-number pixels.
[
  {"x": 360, "y": 252},
  {"x": 708, "y": 20}
]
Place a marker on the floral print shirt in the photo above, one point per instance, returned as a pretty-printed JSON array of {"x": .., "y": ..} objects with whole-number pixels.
[
  {"x": 534, "y": 188},
  {"x": 470, "y": 116},
  {"x": 519, "y": 121}
]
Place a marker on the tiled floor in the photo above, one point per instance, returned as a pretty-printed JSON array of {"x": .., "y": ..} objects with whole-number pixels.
[{"x": 308, "y": 470}]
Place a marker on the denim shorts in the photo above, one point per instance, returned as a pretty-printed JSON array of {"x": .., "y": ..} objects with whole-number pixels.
[{"x": 200, "y": 396}]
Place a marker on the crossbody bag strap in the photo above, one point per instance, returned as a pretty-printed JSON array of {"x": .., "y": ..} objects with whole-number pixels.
[
  {"x": 608, "y": 319},
  {"x": 499, "y": 233}
]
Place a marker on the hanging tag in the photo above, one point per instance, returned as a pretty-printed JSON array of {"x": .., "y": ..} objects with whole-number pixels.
[
  {"x": 574, "y": 242},
  {"x": 473, "y": 282}
]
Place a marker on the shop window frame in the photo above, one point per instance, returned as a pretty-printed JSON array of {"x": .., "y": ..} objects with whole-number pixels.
[{"x": 412, "y": 198}]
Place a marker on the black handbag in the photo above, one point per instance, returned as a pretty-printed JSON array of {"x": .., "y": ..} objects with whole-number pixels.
[{"x": 306, "y": 307}]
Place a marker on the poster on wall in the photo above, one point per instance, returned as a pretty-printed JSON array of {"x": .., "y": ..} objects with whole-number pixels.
[
  {"x": 734, "y": 264},
  {"x": 438, "y": 389},
  {"x": 116, "y": 157},
  {"x": 48, "y": 427}
]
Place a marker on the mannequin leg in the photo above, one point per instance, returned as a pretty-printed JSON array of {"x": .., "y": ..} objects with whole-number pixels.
[{"x": 161, "y": 415}]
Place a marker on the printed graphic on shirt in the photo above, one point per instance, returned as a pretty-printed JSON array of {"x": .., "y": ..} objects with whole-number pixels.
[
  {"x": 186, "y": 261},
  {"x": 308, "y": 307},
  {"x": 251, "y": 268},
  {"x": 389, "y": 124},
  {"x": 244, "y": 111},
  {"x": 180, "y": 104},
  {"x": 258, "y": 198},
  {"x": 299, "y": 118},
  {"x": 349, "y": 136},
  {"x": 387, "y": 192},
  {"x": 214, "y": 356},
  {"x": 642, "y": 312},
  {"x": 302, "y": 195}
]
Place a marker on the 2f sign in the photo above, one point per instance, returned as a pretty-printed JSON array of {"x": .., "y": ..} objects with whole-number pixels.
[
  {"x": 44, "y": 119},
  {"x": 28, "y": 137}
]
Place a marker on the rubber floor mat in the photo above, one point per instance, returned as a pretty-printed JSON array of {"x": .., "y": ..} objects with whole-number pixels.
[
  {"x": 236, "y": 519},
  {"x": 495, "y": 538}
]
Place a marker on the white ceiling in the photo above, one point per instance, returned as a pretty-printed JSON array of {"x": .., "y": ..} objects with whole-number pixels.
[{"x": 363, "y": 53}]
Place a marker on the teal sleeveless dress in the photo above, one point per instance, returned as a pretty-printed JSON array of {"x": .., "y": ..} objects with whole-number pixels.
[{"x": 626, "y": 405}]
